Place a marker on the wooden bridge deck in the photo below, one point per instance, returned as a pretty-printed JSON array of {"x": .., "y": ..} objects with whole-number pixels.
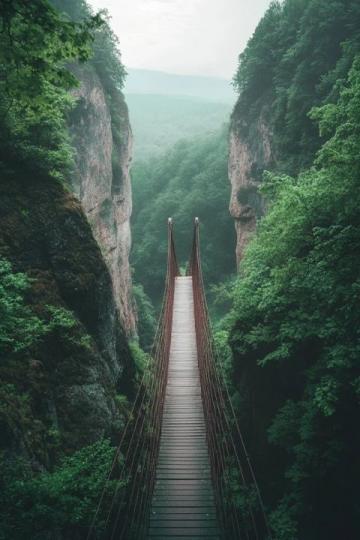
[{"x": 183, "y": 502}]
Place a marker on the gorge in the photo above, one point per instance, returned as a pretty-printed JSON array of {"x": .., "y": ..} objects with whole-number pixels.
[{"x": 83, "y": 252}]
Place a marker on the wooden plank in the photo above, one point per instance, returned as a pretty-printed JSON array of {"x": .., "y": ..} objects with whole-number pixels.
[
  {"x": 200, "y": 498},
  {"x": 159, "y": 536},
  {"x": 204, "y": 532},
  {"x": 182, "y": 502},
  {"x": 183, "y": 510},
  {"x": 162, "y": 536},
  {"x": 193, "y": 522}
]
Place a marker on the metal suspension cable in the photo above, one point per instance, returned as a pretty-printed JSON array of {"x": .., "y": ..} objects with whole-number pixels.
[
  {"x": 229, "y": 459},
  {"x": 127, "y": 511}
]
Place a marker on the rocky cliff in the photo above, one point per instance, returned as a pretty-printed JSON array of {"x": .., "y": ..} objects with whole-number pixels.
[
  {"x": 101, "y": 180},
  {"x": 280, "y": 79},
  {"x": 250, "y": 153},
  {"x": 67, "y": 383}
]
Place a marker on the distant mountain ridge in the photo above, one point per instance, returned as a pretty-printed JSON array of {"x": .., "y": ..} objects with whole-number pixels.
[
  {"x": 142, "y": 81},
  {"x": 159, "y": 121}
]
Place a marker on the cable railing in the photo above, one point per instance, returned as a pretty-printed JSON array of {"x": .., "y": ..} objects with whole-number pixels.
[
  {"x": 123, "y": 510},
  {"x": 126, "y": 516},
  {"x": 239, "y": 504}
]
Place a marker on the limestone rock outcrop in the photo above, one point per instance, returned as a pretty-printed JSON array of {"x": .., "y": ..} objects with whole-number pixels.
[
  {"x": 102, "y": 138},
  {"x": 250, "y": 153}
]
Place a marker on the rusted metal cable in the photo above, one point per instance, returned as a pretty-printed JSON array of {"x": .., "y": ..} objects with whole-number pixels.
[
  {"x": 128, "y": 513},
  {"x": 227, "y": 450}
]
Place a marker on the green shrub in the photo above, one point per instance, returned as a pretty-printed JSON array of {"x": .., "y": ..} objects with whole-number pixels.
[
  {"x": 33, "y": 505},
  {"x": 19, "y": 326},
  {"x": 297, "y": 319}
]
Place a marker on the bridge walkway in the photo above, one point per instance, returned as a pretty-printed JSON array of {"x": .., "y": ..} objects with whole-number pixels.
[{"x": 183, "y": 503}]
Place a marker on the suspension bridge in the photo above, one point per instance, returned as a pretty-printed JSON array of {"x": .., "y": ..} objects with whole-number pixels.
[{"x": 181, "y": 470}]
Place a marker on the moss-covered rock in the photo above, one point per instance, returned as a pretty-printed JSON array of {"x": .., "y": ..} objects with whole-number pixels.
[{"x": 59, "y": 394}]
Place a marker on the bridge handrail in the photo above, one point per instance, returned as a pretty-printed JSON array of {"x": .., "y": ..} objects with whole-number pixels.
[
  {"x": 127, "y": 515},
  {"x": 229, "y": 458}
]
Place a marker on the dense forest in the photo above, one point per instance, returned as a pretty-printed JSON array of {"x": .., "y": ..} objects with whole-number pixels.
[
  {"x": 283, "y": 285},
  {"x": 189, "y": 180},
  {"x": 66, "y": 368},
  {"x": 294, "y": 323},
  {"x": 298, "y": 58}
]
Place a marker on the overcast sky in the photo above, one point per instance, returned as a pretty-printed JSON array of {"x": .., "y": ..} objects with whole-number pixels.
[{"x": 189, "y": 37}]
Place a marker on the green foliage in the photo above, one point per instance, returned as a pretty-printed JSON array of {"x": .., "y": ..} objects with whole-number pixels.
[
  {"x": 26, "y": 329},
  {"x": 107, "y": 57},
  {"x": 298, "y": 57},
  {"x": 220, "y": 296},
  {"x": 19, "y": 326},
  {"x": 61, "y": 318},
  {"x": 44, "y": 348},
  {"x": 64, "y": 322},
  {"x": 297, "y": 316},
  {"x": 36, "y": 42},
  {"x": 122, "y": 402},
  {"x": 35, "y": 505},
  {"x": 105, "y": 53},
  {"x": 15, "y": 408},
  {"x": 146, "y": 318},
  {"x": 244, "y": 497},
  {"x": 282, "y": 521},
  {"x": 141, "y": 358},
  {"x": 224, "y": 355},
  {"x": 188, "y": 181},
  {"x": 78, "y": 10},
  {"x": 259, "y": 60},
  {"x": 105, "y": 60}
]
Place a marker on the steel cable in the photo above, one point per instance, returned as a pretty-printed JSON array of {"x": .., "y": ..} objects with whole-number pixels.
[
  {"x": 127, "y": 515},
  {"x": 227, "y": 448}
]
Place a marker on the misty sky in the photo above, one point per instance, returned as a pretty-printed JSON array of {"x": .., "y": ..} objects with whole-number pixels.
[{"x": 191, "y": 37}]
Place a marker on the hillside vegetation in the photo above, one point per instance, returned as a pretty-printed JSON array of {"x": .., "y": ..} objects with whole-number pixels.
[
  {"x": 287, "y": 325},
  {"x": 189, "y": 180},
  {"x": 160, "y": 121},
  {"x": 294, "y": 329},
  {"x": 64, "y": 359},
  {"x": 298, "y": 58}
]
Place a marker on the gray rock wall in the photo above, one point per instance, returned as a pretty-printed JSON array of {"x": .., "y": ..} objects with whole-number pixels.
[
  {"x": 249, "y": 154},
  {"x": 102, "y": 181},
  {"x": 71, "y": 377}
]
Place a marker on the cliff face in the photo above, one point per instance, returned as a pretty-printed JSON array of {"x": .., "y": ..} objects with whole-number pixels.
[
  {"x": 250, "y": 153},
  {"x": 101, "y": 180},
  {"x": 69, "y": 381}
]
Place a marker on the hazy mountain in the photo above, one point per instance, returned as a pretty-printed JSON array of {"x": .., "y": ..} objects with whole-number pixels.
[
  {"x": 142, "y": 81},
  {"x": 159, "y": 121}
]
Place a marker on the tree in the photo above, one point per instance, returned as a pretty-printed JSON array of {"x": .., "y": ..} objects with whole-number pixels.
[
  {"x": 38, "y": 504},
  {"x": 296, "y": 338},
  {"x": 19, "y": 326},
  {"x": 36, "y": 43}
]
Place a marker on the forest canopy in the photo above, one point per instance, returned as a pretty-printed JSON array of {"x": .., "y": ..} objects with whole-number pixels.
[
  {"x": 39, "y": 43},
  {"x": 36, "y": 44},
  {"x": 297, "y": 58},
  {"x": 186, "y": 182},
  {"x": 295, "y": 319}
]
